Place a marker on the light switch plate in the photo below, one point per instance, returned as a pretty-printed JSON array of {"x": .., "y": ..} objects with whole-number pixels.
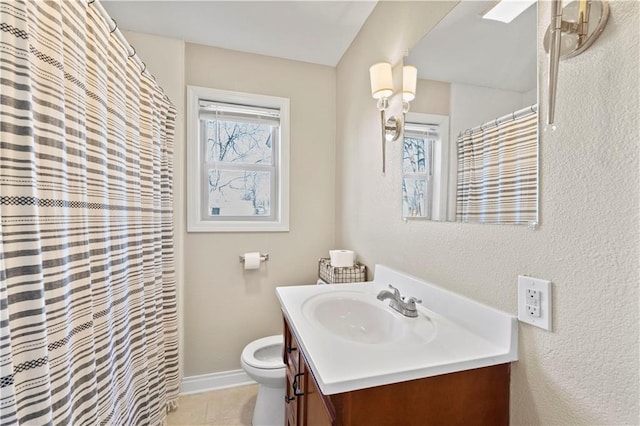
[{"x": 534, "y": 301}]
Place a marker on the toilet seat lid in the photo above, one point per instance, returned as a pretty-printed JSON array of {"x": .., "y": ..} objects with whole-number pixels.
[{"x": 265, "y": 353}]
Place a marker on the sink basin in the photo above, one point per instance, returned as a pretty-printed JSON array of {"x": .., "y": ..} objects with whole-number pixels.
[
  {"x": 353, "y": 341},
  {"x": 360, "y": 317}
]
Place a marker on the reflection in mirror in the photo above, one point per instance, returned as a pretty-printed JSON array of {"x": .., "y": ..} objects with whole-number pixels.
[
  {"x": 424, "y": 191},
  {"x": 470, "y": 151}
]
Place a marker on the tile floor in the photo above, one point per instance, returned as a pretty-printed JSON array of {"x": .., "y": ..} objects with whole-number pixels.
[{"x": 227, "y": 407}]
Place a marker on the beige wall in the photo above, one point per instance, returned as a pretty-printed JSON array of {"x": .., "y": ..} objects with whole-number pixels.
[
  {"x": 432, "y": 97},
  {"x": 225, "y": 307},
  {"x": 586, "y": 370},
  {"x": 222, "y": 307}
]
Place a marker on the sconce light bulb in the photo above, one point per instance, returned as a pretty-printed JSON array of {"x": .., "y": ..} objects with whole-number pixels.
[
  {"x": 405, "y": 107},
  {"x": 383, "y": 104},
  {"x": 382, "y": 94}
]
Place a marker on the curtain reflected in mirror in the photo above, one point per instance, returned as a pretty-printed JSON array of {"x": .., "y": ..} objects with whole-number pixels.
[{"x": 470, "y": 149}]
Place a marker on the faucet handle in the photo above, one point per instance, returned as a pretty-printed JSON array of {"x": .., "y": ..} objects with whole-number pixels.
[
  {"x": 396, "y": 292},
  {"x": 412, "y": 301}
]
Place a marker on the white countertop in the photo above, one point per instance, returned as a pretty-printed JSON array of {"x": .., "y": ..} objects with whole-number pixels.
[{"x": 468, "y": 335}]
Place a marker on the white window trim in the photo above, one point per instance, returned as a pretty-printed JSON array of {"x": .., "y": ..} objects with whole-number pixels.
[{"x": 195, "y": 223}]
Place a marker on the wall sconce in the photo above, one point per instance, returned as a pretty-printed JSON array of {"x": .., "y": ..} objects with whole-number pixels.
[
  {"x": 572, "y": 30},
  {"x": 382, "y": 90}
]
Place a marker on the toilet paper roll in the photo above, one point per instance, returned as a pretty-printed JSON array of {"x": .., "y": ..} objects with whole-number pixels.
[
  {"x": 342, "y": 258},
  {"x": 252, "y": 260}
]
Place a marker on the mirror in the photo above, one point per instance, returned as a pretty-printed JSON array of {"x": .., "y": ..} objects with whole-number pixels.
[{"x": 470, "y": 151}]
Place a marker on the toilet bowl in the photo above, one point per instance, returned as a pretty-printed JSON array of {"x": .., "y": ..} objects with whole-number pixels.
[{"x": 262, "y": 361}]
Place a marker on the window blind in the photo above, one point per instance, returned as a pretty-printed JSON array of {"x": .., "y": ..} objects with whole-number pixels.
[
  {"x": 237, "y": 112},
  {"x": 421, "y": 130}
]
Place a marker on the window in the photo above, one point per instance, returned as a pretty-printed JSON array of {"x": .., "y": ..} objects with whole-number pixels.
[
  {"x": 417, "y": 169},
  {"x": 428, "y": 168},
  {"x": 238, "y": 161}
]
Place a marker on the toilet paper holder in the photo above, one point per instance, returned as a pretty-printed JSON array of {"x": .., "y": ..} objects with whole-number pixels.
[{"x": 263, "y": 257}]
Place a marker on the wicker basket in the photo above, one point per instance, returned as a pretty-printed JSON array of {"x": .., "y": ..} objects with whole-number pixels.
[{"x": 340, "y": 275}]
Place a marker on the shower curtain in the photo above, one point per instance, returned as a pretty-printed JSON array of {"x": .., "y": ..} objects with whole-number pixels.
[
  {"x": 87, "y": 296},
  {"x": 497, "y": 171}
]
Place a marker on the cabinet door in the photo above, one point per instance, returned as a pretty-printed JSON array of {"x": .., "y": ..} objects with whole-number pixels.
[
  {"x": 290, "y": 353},
  {"x": 294, "y": 393},
  {"x": 291, "y": 404},
  {"x": 316, "y": 410}
]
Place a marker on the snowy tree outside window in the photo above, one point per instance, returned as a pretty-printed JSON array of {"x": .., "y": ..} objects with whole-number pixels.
[{"x": 232, "y": 147}]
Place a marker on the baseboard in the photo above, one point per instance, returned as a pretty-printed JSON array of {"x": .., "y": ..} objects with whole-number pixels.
[{"x": 214, "y": 381}]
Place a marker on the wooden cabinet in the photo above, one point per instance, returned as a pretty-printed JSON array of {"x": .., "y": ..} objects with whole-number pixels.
[{"x": 473, "y": 397}]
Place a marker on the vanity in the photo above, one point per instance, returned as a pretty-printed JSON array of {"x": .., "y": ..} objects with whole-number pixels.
[{"x": 352, "y": 360}]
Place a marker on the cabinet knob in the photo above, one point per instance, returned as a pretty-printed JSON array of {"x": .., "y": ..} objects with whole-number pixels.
[
  {"x": 287, "y": 399},
  {"x": 291, "y": 349}
]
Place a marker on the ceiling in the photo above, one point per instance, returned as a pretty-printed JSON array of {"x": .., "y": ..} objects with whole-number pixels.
[
  {"x": 464, "y": 48},
  {"x": 310, "y": 31}
]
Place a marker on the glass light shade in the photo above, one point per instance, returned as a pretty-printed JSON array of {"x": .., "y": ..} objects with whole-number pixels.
[
  {"x": 409, "y": 81},
  {"x": 381, "y": 80}
]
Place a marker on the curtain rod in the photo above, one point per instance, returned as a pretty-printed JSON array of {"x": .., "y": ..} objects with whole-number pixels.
[
  {"x": 505, "y": 118},
  {"x": 131, "y": 51}
]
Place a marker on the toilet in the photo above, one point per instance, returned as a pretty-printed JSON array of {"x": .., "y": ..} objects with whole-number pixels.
[{"x": 262, "y": 361}]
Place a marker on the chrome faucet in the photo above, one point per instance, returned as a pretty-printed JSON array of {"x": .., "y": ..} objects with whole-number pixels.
[{"x": 397, "y": 302}]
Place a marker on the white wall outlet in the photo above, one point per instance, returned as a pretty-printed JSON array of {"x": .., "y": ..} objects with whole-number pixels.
[
  {"x": 533, "y": 294},
  {"x": 534, "y": 301},
  {"x": 533, "y": 311}
]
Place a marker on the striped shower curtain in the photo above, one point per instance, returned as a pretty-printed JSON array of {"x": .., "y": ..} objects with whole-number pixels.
[
  {"x": 498, "y": 172},
  {"x": 87, "y": 296}
]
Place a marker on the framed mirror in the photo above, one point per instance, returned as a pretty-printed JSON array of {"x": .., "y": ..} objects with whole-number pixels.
[{"x": 470, "y": 150}]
